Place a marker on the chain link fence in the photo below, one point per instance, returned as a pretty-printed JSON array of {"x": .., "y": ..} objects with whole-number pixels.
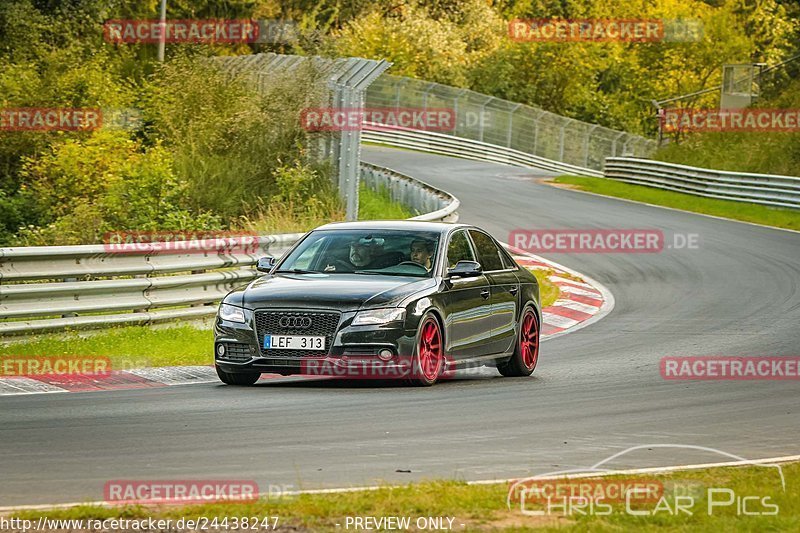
[{"x": 521, "y": 127}]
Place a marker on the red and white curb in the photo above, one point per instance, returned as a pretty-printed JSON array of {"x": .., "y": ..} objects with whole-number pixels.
[{"x": 581, "y": 302}]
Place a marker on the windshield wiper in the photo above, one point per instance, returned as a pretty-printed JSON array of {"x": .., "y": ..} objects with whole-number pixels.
[
  {"x": 383, "y": 273},
  {"x": 297, "y": 271}
]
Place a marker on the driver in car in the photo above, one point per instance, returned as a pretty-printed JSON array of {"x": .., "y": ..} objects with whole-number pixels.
[
  {"x": 362, "y": 253},
  {"x": 368, "y": 253}
]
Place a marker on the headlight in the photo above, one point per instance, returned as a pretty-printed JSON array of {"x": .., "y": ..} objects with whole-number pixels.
[
  {"x": 378, "y": 316},
  {"x": 231, "y": 313}
]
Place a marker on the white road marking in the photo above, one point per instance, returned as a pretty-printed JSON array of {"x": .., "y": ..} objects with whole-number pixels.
[
  {"x": 558, "y": 279},
  {"x": 177, "y": 375},
  {"x": 581, "y": 292},
  {"x": 577, "y": 306},
  {"x": 558, "y": 320},
  {"x": 21, "y": 385}
]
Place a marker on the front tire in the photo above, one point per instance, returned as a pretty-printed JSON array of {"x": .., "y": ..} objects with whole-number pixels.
[
  {"x": 428, "y": 361},
  {"x": 526, "y": 353},
  {"x": 230, "y": 378}
]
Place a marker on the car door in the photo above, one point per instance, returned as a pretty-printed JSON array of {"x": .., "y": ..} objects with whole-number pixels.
[
  {"x": 504, "y": 288},
  {"x": 467, "y": 304}
]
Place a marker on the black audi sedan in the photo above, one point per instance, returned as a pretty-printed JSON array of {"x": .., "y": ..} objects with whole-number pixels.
[{"x": 382, "y": 299}]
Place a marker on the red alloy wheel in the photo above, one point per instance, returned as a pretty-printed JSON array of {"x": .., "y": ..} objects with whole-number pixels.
[
  {"x": 529, "y": 340},
  {"x": 430, "y": 350}
]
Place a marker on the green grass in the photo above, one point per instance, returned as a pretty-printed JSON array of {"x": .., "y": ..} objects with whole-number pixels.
[
  {"x": 483, "y": 507},
  {"x": 548, "y": 291},
  {"x": 378, "y": 205},
  {"x": 758, "y": 214},
  {"x": 127, "y": 347}
]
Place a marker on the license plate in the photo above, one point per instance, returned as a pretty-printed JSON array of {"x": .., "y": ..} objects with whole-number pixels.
[{"x": 294, "y": 342}]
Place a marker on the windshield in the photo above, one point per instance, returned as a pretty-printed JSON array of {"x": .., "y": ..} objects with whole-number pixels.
[{"x": 381, "y": 252}]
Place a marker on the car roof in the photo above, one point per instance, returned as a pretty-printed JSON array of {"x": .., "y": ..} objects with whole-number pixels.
[{"x": 408, "y": 225}]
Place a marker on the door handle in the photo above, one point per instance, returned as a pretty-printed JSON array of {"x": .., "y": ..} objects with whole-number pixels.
[
  {"x": 485, "y": 293},
  {"x": 513, "y": 291}
]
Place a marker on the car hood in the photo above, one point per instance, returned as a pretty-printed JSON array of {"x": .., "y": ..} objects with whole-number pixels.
[{"x": 345, "y": 292}]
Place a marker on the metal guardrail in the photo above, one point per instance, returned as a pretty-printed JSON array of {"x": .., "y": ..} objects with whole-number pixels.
[
  {"x": 51, "y": 288},
  {"x": 434, "y": 204},
  {"x": 766, "y": 189},
  {"x": 438, "y": 143}
]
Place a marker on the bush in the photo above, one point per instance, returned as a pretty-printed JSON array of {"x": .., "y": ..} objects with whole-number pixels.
[{"x": 83, "y": 188}]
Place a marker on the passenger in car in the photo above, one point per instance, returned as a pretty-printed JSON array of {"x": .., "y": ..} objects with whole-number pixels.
[{"x": 421, "y": 252}]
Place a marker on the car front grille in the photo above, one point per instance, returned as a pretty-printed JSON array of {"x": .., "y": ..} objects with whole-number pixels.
[{"x": 322, "y": 323}]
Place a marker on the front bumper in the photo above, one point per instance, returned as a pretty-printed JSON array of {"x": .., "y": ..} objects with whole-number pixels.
[{"x": 353, "y": 351}]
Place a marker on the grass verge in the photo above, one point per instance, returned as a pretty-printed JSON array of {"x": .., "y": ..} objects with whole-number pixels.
[
  {"x": 758, "y": 214},
  {"x": 548, "y": 291},
  {"x": 483, "y": 507}
]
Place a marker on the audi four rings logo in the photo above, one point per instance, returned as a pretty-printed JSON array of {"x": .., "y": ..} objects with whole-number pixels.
[{"x": 295, "y": 322}]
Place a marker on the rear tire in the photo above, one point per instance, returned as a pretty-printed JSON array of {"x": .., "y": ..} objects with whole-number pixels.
[
  {"x": 230, "y": 378},
  {"x": 526, "y": 352},
  {"x": 428, "y": 361}
]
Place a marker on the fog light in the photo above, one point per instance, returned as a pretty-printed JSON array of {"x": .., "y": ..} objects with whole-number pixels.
[
  {"x": 385, "y": 355},
  {"x": 220, "y": 350}
]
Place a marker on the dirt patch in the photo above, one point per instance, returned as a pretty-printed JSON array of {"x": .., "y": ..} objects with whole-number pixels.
[{"x": 570, "y": 186}]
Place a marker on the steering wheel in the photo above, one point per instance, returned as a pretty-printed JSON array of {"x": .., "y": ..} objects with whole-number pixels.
[
  {"x": 413, "y": 263},
  {"x": 339, "y": 264}
]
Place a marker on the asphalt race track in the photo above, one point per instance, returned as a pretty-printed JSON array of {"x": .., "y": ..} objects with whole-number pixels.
[{"x": 596, "y": 391}]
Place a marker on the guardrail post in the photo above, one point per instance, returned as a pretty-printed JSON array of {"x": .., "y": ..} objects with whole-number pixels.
[
  {"x": 536, "y": 130},
  {"x": 586, "y": 146},
  {"x": 425, "y": 96},
  {"x": 480, "y": 118},
  {"x": 456, "y": 98},
  {"x": 625, "y": 147},
  {"x": 614, "y": 144},
  {"x": 510, "y": 124}
]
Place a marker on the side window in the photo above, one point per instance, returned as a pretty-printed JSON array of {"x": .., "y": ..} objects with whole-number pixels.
[
  {"x": 508, "y": 262},
  {"x": 488, "y": 254},
  {"x": 307, "y": 255},
  {"x": 459, "y": 249}
]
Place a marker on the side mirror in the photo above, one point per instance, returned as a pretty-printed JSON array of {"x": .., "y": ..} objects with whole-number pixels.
[
  {"x": 265, "y": 264},
  {"x": 465, "y": 269}
]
